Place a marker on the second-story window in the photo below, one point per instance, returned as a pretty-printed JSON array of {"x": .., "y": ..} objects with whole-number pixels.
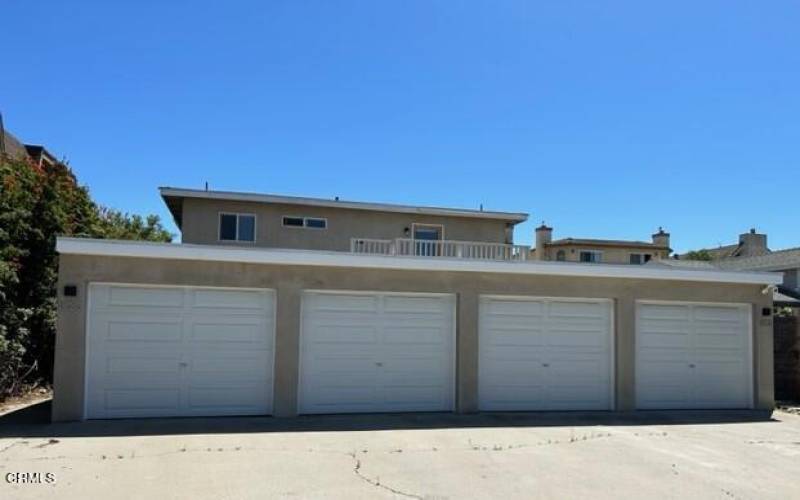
[
  {"x": 308, "y": 222},
  {"x": 237, "y": 227},
  {"x": 592, "y": 256}
]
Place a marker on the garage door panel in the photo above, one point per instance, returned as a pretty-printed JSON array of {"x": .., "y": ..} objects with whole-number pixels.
[
  {"x": 342, "y": 334},
  {"x": 408, "y": 397},
  {"x": 119, "y": 400},
  {"x": 331, "y": 397},
  {"x": 514, "y": 397},
  {"x": 414, "y": 305},
  {"x": 140, "y": 349},
  {"x": 341, "y": 303},
  {"x": 718, "y": 313},
  {"x": 141, "y": 296},
  {"x": 249, "y": 364},
  {"x": 240, "y": 398},
  {"x": 699, "y": 361},
  {"x": 720, "y": 337},
  {"x": 514, "y": 307},
  {"x": 128, "y": 364},
  {"x": 541, "y": 353},
  {"x": 586, "y": 339},
  {"x": 423, "y": 335},
  {"x": 254, "y": 301},
  {"x": 344, "y": 370},
  {"x": 575, "y": 397},
  {"x": 229, "y": 333},
  {"x": 654, "y": 342},
  {"x": 664, "y": 311},
  {"x": 409, "y": 361},
  {"x": 571, "y": 368},
  {"x": 110, "y": 328},
  {"x": 573, "y": 310},
  {"x": 670, "y": 397},
  {"x": 395, "y": 354},
  {"x": 497, "y": 336}
]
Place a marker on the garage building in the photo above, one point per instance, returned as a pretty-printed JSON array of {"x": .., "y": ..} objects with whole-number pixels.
[{"x": 154, "y": 330}]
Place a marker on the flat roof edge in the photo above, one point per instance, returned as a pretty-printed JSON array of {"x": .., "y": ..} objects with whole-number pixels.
[
  {"x": 167, "y": 191},
  {"x": 212, "y": 253}
]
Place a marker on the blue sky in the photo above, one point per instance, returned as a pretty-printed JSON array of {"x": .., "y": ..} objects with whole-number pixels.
[{"x": 605, "y": 119}]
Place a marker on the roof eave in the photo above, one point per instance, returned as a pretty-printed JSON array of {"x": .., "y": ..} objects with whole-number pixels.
[
  {"x": 139, "y": 249},
  {"x": 512, "y": 217}
]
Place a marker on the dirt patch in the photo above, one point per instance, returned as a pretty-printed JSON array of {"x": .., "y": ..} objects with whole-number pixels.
[{"x": 29, "y": 398}]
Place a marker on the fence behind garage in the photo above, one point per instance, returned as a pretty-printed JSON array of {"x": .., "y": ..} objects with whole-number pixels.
[{"x": 787, "y": 357}]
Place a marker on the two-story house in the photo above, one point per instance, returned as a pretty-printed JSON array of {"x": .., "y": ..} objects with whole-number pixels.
[
  {"x": 269, "y": 221},
  {"x": 596, "y": 251},
  {"x": 279, "y": 305}
]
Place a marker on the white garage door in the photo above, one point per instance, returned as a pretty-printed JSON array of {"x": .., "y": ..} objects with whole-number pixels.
[
  {"x": 545, "y": 354},
  {"x": 179, "y": 351},
  {"x": 377, "y": 352},
  {"x": 693, "y": 355}
]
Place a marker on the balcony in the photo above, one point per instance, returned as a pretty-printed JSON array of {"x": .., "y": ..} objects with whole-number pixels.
[{"x": 408, "y": 247}]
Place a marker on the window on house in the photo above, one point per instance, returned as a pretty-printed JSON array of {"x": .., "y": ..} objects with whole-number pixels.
[
  {"x": 315, "y": 223},
  {"x": 237, "y": 227},
  {"x": 592, "y": 256},
  {"x": 309, "y": 222},
  {"x": 561, "y": 255},
  {"x": 293, "y": 221},
  {"x": 426, "y": 238},
  {"x": 640, "y": 258}
]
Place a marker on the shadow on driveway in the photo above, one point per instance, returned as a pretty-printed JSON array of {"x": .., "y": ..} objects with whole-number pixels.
[{"x": 34, "y": 422}]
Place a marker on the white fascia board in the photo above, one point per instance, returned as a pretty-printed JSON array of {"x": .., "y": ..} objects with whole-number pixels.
[
  {"x": 355, "y": 205},
  {"x": 213, "y": 253}
]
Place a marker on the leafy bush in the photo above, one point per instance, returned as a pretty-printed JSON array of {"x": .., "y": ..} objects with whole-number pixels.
[{"x": 37, "y": 203}]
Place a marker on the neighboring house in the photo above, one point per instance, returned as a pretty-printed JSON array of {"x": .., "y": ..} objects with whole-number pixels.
[
  {"x": 277, "y": 305},
  {"x": 11, "y": 147},
  {"x": 40, "y": 155},
  {"x": 753, "y": 254},
  {"x": 751, "y": 244},
  {"x": 599, "y": 251}
]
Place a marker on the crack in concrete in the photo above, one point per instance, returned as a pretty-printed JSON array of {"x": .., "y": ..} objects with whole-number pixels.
[
  {"x": 550, "y": 442},
  {"x": 6, "y": 448},
  {"x": 377, "y": 482}
]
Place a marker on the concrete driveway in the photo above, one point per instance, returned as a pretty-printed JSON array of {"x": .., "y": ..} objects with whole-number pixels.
[{"x": 661, "y": 455}]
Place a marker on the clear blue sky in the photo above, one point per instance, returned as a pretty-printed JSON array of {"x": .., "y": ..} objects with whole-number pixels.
[{"x": 606, "y": 119}]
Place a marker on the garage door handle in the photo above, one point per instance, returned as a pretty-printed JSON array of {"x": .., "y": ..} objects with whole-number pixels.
[
  {"x": 378, "y": 364},
  {"x": 691, "y": 365},
  {"x": 183, "y": 364},
  {"x": 545, "y": 364}
]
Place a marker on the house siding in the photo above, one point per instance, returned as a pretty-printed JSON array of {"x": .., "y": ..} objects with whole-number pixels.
[
  {"x": 290, "y": 281},
  {"x": 201, "y": 225},
  {"x": 611, "y": 255}
]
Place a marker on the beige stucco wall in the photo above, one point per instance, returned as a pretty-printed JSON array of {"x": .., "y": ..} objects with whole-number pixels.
[
  {"x": 290, "y": 281},
  {"x": 201, "y": 225},
  {"x": 611, "y": 255}
]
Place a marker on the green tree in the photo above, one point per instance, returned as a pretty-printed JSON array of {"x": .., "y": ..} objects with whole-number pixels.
[
  {"x": 37, "y": 204},
  {"x": 122, "y": 226},
  {"x": 698, "y": 255}
]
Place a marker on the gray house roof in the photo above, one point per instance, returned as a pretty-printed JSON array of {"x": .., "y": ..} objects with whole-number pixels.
[
  {"x": 773, "y": 261},
  {"x": 172, "y": 196},
  {"x": 12, "y": 146}
]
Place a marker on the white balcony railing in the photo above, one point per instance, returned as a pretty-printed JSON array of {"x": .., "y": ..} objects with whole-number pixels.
[{"x": 439, "y": 248}]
